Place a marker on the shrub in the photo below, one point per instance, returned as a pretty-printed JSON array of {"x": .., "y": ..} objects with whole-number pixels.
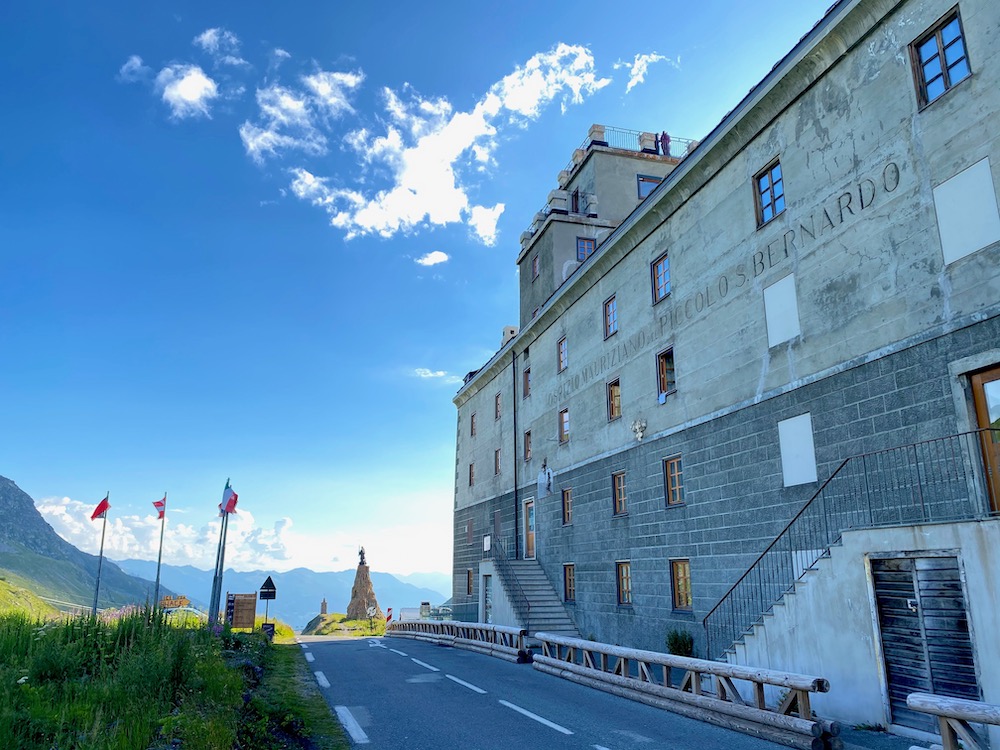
[{"x": 680, "y": 642}]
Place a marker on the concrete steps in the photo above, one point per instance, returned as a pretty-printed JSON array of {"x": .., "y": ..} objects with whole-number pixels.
[{"x": 548, "y": 615}]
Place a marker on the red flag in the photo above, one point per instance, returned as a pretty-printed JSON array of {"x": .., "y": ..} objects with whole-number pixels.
[
  {"x": 388, "y": 615},
  {"x": 101, "y": 510},
  {"x": 161, "y": 505},
  {"x": 229, "y": 499}
]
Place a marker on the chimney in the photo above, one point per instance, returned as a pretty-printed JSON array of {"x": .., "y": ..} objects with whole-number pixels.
[{"x": 509, "y": 332}]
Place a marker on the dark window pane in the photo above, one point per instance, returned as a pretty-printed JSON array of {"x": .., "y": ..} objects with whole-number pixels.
[
  {"x": 959, "y": 71},
  {"x": 763, "y": 183},
  {"x": 776, "y": 173},
  {"x": 779, "y": 204},
  {"x": 932, "y": 69},
  {"x": 768, "y": 213},
  {"x": 928, "y": 49},
  {"x": 935, "y": 88}
]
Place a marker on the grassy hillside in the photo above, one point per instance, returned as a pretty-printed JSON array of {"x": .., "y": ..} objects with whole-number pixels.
[
  {"x": 14, "y": 598},
  {"x": 337, "y": 624}
]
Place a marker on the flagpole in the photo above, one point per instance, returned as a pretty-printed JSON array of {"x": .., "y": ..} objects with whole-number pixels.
[
  {"x": 159, "y": 558},
  {"x": 100, "y": 561},
  {"x": 213, "y": 605},
  {"x": 222, "y": 561}
]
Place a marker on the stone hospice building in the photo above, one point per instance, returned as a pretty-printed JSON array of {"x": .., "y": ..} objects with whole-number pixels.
[{"x": 766, "y": 363}]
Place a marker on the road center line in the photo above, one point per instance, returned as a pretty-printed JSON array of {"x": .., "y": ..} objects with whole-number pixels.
[
  {"x": 397, "y": 651},
  {"x": 536, "y": 717},
  {"x": 321, "y": 679},
  {"x": 463, "y": 683},
  {"x": 351, "y": 725},
  {"x": 600, "y": 747},
  {"x": 309, "y": 656},
  {"x": 424, "y": 664},
  {"x": 304, "y": 645}
]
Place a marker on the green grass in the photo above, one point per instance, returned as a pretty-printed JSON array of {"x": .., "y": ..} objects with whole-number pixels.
[
  {"x": 139, "y": 682},
  {"x": 14, "y": 598},
  {"x": 338, "y": 624}
]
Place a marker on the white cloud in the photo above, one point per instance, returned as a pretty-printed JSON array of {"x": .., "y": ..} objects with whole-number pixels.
[
  {"x": 403, "y": 548},
  {"x": 222, "y": 45},
  {"x": 329, "y": 90},
  {"x": 484, "y": 222},
  {"x": 187, "y": 90},
  {"x": 640, "y": 66},
  {"x": 424, "y": 374},
  {"x": 133, "y": 70},
  {"x": 432, "y": 258},
  {"x": 428, "y": 147}
]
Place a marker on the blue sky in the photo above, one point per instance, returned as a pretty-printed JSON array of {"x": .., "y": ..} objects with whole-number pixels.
[{"x": 265, "y": 242}]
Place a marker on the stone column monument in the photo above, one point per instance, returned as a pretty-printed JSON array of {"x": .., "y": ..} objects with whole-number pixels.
[{"x": 362, "y": 594}]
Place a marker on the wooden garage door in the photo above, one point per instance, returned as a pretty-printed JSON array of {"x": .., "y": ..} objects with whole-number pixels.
[{"x": 925, "y": 633}]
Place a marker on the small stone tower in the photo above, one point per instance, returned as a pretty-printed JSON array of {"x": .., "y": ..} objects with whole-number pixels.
[{"x": 322, "y": 606}]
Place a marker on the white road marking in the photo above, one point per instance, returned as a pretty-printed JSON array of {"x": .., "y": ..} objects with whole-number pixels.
[
  {"x": 321, "y": 679},
  {"x": 309, "y": 656},
  {"x": 424, "y": 664},
  {"x": 536, "y": 717},
  {"x": 351, "y": 725},
  {"x": 397, "y": 651},
  {"x": 304, "y": 645},
  {"x": 375, "y": 644},
  {"x": 463, "y": 683},
  {"x": 601, "y": 747}
]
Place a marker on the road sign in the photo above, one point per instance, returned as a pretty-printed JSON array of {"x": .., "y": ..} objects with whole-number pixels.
[{"x": 267, "y": 589}]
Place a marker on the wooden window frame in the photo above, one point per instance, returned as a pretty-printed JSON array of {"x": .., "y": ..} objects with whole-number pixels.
[
  {"x": 472, "y": 425},
  {"x": 472, "y": 474},
  {"x": 646, "y": 179},
  {"x": 660, "y": 290},
  {"x": 619, "y": 497},
  {"x": 567, "y": 506},
  {"x": 680, "y": 585},
  {"x": 582, "y": 245},
  {"x": 663, "y": 384},
  {"x": 497, "y": 406},
  {"x": 562, "y": 354},
  {"x": 496, "y": 462},
  {"x": 569, "y": 582},
  {"x": 673, "y": 481},
  {"x": 470, "y": 582},
  {"x": 623, "y": 579},
  {"x": 773, "y": 196},
  {"x": 527, "y": 445},
  {"x": 614, "y": 392},
  {"x": 919, "y": 79},
  {"x": 564, "y": 425},
  {"x": 610, "y": 316},
  {"x": 534, "y": 267},
  {"x": 526, "y": 383}
]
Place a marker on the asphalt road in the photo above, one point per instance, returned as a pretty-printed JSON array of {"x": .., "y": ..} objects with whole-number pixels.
[{"x": 409, "y": 695}]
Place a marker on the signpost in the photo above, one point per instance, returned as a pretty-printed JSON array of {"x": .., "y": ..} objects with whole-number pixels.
[
  {"x": 267, "y": 593},
  {"x": 241, "y": 610}
]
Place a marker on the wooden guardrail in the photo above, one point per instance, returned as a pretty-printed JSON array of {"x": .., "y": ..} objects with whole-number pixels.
[
  {"x": 954, "y": 717},
  {"x": 646, "y": 676},
  {"x": 501, "y": 641}
]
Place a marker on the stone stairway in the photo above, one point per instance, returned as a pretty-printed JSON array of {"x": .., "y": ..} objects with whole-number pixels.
[{"x": 548, "y": 615}]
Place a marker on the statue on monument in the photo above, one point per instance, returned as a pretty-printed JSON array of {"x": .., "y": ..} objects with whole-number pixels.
[
  {"x": 364, "y": 604},
  {"x": 361, "y": 554}
]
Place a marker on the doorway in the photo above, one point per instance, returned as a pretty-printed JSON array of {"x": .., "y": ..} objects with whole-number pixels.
[
  {"x": 487, "y": 599},
  {"x": 986, "y": 397},
  {"x": 529, "y": 530},
  {"x": 926, "y": 646}
]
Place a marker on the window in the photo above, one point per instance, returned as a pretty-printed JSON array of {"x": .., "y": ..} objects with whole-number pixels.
[
  {"x": 472, "y": 474},
  {"x": 496, "y": 461},
  {"x": 534, "y": 268},
  {"x": 469, "y": 581},
  {"x": 673, "y": 481},
  {"x": 665, "y": 378},
  {"x": 610, "y": 317},
  {"x": 569, "y": 583},
  {"x": 575, "y": 201},
  {"x": 564, "y": 425},
  {"x": 939, "y": 59},
  {"x": 661, "y": 278},
  {"x": 584, "y": 248},
  {"x": 769, "y": 190},
  {"x": 472, "y": 425},
  {"x": 646, "y": 184},
  {"x": 567, "y": 506},
  {"x": 680, "y": 583},
  {"x": 614, "y": 400},
  {"x": 497, "y": 403},
  {"x": 527, "y": 445},
  {"x": 624, "y": 570},
  {"x": 618, "y": 493},
  {"x": 526, "y": 383},
  {"x": 562, "y": 354}
]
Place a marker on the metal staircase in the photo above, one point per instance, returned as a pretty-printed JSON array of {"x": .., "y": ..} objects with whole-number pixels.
[{"x": 932, "y": 481}]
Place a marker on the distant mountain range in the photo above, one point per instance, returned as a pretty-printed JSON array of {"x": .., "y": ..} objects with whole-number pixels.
[
  {"x": 34, "y": 556},
  {"x": 299, "y": 591}
]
